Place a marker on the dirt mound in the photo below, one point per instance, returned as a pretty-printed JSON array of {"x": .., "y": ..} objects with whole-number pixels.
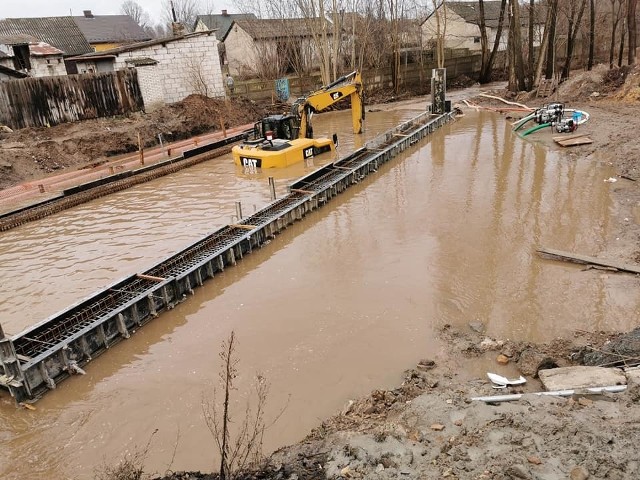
[
  {"x": 581, "y": 85},
  {"x": 630, "y": 89},
  {"x": 35, "y": 152}
]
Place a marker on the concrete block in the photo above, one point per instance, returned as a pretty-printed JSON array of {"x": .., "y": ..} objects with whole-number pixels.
[{"x": 567, "y": 378}]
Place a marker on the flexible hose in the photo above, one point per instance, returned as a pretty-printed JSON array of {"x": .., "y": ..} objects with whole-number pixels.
[
  {"x": 535, "y": 129},
  {"x": 522, "y": 122}
]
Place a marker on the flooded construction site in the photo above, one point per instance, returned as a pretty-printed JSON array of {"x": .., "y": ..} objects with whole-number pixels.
[{"x": 336, "y": 305}]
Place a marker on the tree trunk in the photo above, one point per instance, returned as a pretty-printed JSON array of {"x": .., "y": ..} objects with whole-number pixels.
[
  {"x": 485, "y": 74},
  {"x": 631, "y": 26},
  {"x": 484, "y": 41},
  {"x": 621, "y": 51},
  {"x": 572, "y": 33},
  {"x": 543, "y": 47},
  {"x": 530, "y": 61},
  {"x": 592, "y": 32},
  {"x": 228, "y": 385},
  {"x": 517, "y": 45},
  {"x": 337, "y": 28},
  {"x": 614, "y": 28},
  {"x": 512, "y": 85},
  {"x": 551, "y": 45},
  {"x": 441, "y": 28}
]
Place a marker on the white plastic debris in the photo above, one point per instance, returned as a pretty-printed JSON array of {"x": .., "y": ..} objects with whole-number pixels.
[
  {"x": 611, "y": 180},
  {"x": 501, "y": 382}
]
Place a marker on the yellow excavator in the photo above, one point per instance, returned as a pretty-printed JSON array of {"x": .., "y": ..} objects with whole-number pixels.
[{"x": 278, "y": 141}]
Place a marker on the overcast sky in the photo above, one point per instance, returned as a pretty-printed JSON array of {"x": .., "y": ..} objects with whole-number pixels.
[{"x": 56, "y": 8}]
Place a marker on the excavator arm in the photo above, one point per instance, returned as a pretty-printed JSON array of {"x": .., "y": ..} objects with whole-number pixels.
[{"x": 346, "y": 86}]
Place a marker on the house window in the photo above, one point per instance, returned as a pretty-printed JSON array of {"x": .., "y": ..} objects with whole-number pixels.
[{"x": 476, "y": 39}]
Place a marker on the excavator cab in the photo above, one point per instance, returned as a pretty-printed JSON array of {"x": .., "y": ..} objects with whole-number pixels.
[
  {"x": 283, "y": 127},
  {"x": 282, "y": 140}
]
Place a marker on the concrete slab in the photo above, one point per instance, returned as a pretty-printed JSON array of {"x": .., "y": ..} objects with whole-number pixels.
[{"x": 567, "y": 378}]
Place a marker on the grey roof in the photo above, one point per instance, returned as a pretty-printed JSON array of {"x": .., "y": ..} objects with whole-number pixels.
[
  {"x": 61, "y": 32},
  {"x": 141, "y": 62},
  {"x": 222, "y": 23},
  {"x": 12, "y": 73},
  {"x": 111, "y": 29},
  {"x": 18, "y": 39},
  {"x": 269, "y": 28},
  {"x": 470, "y": 12},
  {"x": 132, "y": 47}
]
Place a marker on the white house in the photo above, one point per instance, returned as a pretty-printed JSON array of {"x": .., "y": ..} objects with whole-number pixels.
[
  {"x": 278, "y": 44},
  {"x": 169, "y": 69},
  {"x": 459, "y": 24}
]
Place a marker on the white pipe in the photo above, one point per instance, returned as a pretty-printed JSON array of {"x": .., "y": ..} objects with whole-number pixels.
[
  {"x": 505, "y": 101},
  {"x": 555, "y": 393},
  {"x": 584, "y": 116}
]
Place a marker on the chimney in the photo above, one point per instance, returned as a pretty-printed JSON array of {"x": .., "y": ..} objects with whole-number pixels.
[
  {"x": 177, "y": 29},
  {"x": 224, "y": 13},
  {"x": 87, "y": 14}
]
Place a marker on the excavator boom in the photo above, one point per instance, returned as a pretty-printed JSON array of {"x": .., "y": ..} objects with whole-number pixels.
[
  {"x": 346, "y": 86},
  {"x": 282, "y": 140}
]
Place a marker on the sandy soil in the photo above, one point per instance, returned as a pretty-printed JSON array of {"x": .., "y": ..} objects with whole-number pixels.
[{"x": 429, "y": 427}]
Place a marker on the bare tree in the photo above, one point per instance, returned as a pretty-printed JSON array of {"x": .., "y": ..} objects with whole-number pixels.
[
  {"x": 135, "y": 11},
  {"x": 574, "y": 20},
  {"x": 488, "y": 57},
  {"x": 631, "y": 26},
  {"x": 623, "y": 32},
  {"x": 185, "y": 12},
  {"x": 530, "y": 52},
  {"x": 592, "y": 33},
  {"x": 440, "y": 13},
  {"x": 195, "y": 74},
  {"x": 550, "y": 26},
  {"x": 242, "y": 447},
  {"x": 616, "y": 17},
  {"x": 395, "y": 14},
  {"x": 516, "y": 64},
  {"x": 544, "y": 46}
]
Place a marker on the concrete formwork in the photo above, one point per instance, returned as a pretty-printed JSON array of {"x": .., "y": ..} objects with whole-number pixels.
[{"x": 39, "y": 358}]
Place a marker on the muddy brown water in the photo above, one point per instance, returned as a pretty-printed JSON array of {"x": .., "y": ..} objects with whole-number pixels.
[{"x": 337, "y": 305}]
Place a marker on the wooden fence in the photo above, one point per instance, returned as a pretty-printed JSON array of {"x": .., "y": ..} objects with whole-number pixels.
[
  {"x": 412, "y": 75},
  {"x": 46, "y": 101}
]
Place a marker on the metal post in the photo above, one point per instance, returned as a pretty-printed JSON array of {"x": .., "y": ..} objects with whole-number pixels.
[
  {"x": 438, "y": 90},
  {"x": 272, "y": 188},
  {"x": 239, "y": 210},
  {"x": 161, "y": 144}
]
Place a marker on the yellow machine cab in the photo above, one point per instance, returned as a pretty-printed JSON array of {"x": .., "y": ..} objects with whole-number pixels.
[{"x": 278, "y": 141}]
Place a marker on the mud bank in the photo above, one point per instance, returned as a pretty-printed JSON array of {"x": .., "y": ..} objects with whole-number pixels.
[{"x": 430, "y": 427}]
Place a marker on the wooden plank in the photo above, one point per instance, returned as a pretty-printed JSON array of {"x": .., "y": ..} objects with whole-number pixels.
[
  {"x": 573, "y": 142},
  {"x": 243, "y": 227},
  {"x": 570, "y": 137},
  {"x": 568, "y": 378},
  {"x": 586, "y": 260}
]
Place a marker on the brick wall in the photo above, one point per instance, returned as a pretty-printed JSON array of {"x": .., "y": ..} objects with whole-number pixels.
[
  {"x": 186, "y": 66},
  {"x": 47, "y": 66},
  {"x": 150, "y": 86}
]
